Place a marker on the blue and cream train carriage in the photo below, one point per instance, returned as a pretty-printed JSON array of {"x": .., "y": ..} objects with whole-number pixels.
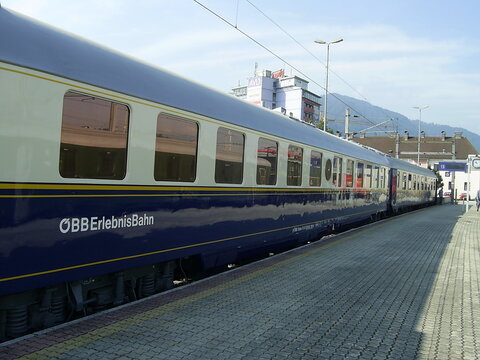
[{"x": 116, "y": 175}]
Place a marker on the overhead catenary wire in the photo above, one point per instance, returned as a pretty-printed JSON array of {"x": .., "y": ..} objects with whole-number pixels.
[
  {"x": 305, "y": 48},
  {"x": 312, "y": 54},
  {"x": 235, "y": 26},
  {"x": 279, "y": 57}
]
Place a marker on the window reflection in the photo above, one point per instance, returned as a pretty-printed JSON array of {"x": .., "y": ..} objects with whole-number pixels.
[
  {"x": 229, "y": 159},
  {"x": 175, "y": 149},
  {"x": 349, "y": 174},
  {"x": 294, "y": 166},
  {"x": 316, "y": 169},
  {"x": 359, "y": 175},
  {"x": 368, "y": 176},
  {"x": 267, "y": 154},
  {"x": 94, "y": 138}
]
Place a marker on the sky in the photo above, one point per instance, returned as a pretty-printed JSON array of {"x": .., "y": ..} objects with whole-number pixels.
[{"x": 396, "y": 54}]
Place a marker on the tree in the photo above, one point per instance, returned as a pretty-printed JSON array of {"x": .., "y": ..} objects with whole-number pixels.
[
  {"x": 320, "y": 126},
  {"x": 439, "y": 182}
]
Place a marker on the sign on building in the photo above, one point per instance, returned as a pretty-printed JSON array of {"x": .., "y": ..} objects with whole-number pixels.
[
  {"x": 476, "y": 164},
  {"x": 452, "y": 166}
]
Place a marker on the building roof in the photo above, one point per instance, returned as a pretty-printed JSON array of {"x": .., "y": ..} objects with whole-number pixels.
[{"x": 431, "y": 147}]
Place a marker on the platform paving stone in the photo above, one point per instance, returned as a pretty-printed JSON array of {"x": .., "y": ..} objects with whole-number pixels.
[{"x": 405, "y": 288}]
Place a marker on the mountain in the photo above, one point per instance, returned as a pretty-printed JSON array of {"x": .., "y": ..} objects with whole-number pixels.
[{"x": 336, "y": 110}]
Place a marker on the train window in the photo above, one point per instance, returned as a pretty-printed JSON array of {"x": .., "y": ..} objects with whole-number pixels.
[
  {"x": 376, "y": 172},
  {"x": 294, "y": 165},
  {"x": 334, "y": 171},
  {"x": 328, "y": 169},
  {"x": 94, "y": 136},
  {"x": 384, "y": 178},
  {"x": 349, "y": 174},
  {"x": 409, "y": 182},
  {"x": 404, "y": 187},
  {"x": 340, "y": 172},
  {"x": 267, "y": 154},
  {"x": 229, "y": 159},
  {"x": 175, "y": 149},
  {"x": 316, "y": 169},
  {"x": 337, "y": 171},
  {"x": 368, "y": 176},
  {"x": 359, "y": 182}
]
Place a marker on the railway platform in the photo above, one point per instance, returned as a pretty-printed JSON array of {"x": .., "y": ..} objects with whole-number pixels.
[{"x": 403, "y": 288}]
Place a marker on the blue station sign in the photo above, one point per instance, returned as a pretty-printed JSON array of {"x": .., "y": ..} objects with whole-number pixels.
[{"x": 452, "y": 166}]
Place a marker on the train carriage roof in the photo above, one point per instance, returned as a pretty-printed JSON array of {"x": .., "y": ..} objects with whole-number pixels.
[
  {"x": 406, "y": 166},
  {"x": 28, "y": 43}
]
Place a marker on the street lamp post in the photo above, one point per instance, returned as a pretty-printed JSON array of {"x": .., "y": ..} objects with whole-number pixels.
[
  {"x": 420, "y": 108},
  {"x": 326, "y": 78}
]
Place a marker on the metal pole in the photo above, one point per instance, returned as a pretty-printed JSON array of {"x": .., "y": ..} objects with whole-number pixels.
[
  {"x": 325, "y": 111},
  {"x": 469, "y": 165},
  {"x": 420, "y": 108},
  {"x": 347, "y": 123},
  {"x": 326, "y": 92},
  {"x": 418, "y": 148}
]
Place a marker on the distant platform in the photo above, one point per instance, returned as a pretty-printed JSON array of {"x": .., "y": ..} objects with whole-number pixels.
[{"x": 403, "y": 288}]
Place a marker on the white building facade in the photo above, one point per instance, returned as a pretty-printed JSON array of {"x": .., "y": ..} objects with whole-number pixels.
[
  {"x": 455, "y": 183},
  {"x": 288, "y": 94}
]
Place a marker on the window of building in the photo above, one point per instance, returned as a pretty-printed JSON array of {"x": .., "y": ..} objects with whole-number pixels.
[
  {"x": 94, "y": 137},
  {"x": 359, "y": 182},
  {"x": 175, "y": 149},
  {"x": 229, "y": 158},
  {"x": 349, "y": 174},
  {"x": 316, "y": 169},
  {"x": 267, "y": 154},
  {"x": 294, "y": 166}
]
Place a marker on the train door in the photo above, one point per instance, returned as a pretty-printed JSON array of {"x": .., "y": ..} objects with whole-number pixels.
[{"x": 392, "y": 193}]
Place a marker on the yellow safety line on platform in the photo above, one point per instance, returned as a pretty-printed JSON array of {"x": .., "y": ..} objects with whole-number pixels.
[{"x": 100, "y": 333}]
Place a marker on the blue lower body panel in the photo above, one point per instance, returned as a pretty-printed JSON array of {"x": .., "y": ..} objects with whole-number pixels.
[{"x": 55, "y": 234}]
